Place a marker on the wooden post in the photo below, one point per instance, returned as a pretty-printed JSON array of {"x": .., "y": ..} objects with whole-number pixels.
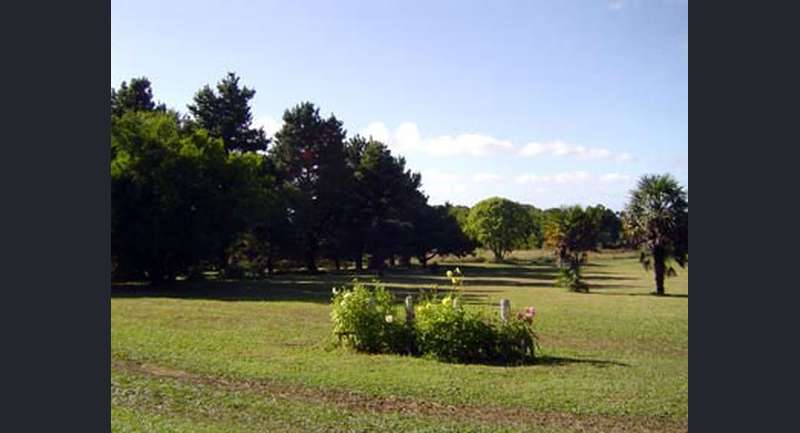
[
  {"x": 409, "y": 308},
  {"x": 505, "y": 309}
]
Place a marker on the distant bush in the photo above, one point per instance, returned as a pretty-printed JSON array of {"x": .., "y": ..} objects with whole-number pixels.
[
  {"x": 365, "y": 320},
  {"x": 570, "y": 279}
]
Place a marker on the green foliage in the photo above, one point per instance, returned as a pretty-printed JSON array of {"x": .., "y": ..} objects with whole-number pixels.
[
  {"x": 177, "y": 198},
  {"x": 136, "y": 96},
  {"x": 499, "y": 224},
  {"x": 609, "y": 226},
  {"x": 657, "y": 220},
  {"x": 386, "y": 214},
  {"x": 569, "y": 277},
  {"x": 226, "y": 114},
  {"x": 571, "y": 232},
  {"x": 437, "y": 232},
  {"x": 365, "y": 319},
  {"x": 450, "y": 333},
  {"x": 537, "y": 219},
  {"x": 310, "y": 161}
]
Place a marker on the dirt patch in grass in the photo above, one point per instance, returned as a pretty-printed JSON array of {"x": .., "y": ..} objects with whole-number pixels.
[{"x": 353, "y": 401}]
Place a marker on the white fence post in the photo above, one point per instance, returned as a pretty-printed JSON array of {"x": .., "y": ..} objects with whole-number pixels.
[
  {"x": 409, "y": 308},
  {"x": 505, "y": 309}
]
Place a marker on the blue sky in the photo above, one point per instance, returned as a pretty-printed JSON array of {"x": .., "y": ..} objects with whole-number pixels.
[{"x": 544, "y": 102}]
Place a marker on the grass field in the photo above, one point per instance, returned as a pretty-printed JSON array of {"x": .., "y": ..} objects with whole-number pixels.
[{"x": 254, "y": 356}]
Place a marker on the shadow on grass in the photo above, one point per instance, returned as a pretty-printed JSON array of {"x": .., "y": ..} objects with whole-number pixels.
[
  {"x": 559, "y": 360},
  {"x": 651, "y": 294},
  {"x": 275, "y": 289},
  {"x": 547, "y": 361},
  {"x": 299, "y": 286},
  {"x": 481, "y": 281}
]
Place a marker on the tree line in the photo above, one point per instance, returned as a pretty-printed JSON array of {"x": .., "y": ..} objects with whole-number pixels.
[{"x": 208, "y": 190}]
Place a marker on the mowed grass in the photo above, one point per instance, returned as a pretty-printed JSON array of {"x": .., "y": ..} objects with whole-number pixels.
[{"x": 257, "y": 356}]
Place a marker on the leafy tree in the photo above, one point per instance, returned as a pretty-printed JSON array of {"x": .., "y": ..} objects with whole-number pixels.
[
  {"x": 310, "y": 160},
  {"x": 461, "y": 214},
  {"x": 536, "y": 238},
  {"x": 384, "y": 203},
  {"x": 177, "y": 198},
  {"x": 437, "y": 232},
  {"x": 610, "y": 225},
  {"x": 571, "y": 232},
  {"x": 226, "y": 114},
  {"x": 499, "y": 224},
  {"x": 267, "y": 229},
  {"x": 657, "y": 220},
  {"x": 136, "y": 96}
]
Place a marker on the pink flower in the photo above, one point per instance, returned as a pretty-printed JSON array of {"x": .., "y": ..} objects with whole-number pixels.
[{"x": 530, "y": 312}]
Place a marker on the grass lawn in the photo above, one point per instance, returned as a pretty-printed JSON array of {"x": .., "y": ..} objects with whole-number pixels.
[{"x": 253, "y": 356}]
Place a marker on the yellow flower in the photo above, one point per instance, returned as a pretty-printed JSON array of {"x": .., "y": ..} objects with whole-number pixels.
[
  {"x": 449, "y": 274},
  {"x": 454, "y": 280},
  {"x": 389, "y": 318}
]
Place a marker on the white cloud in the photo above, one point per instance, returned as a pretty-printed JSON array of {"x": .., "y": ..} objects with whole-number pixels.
[
  {"x": 406, "y": 138},
  {"x": 614, "y": 177},
  {"x": 487, "y": 177},
  {"x": 561, "y": 148},
  {"x": 270, "y": 125},
  {"x": 376, "y": 130},
  {"x": 442, "y": 186},
  {"x": 570, "y": 177},
  {"x": 616, "y": 5},
  {"x": 624, "y": 157}
]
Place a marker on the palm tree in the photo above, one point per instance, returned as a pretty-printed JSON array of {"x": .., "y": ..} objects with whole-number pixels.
[{"x": 657, "y": 221}]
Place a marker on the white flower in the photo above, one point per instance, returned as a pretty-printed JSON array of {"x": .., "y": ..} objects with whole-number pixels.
[
  {"x": 335, "y": 291},
  {"x": 389, "y": 318},
  {"x": 449, "y": 274}
]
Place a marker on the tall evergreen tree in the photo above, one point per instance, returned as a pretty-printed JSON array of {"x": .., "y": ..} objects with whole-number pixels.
[
  {"x": 309, "y": 157},
  {"x": 383, "y": 206},
  {"x": 226, "y": 114},
  {"x": 136, "y": 96}
]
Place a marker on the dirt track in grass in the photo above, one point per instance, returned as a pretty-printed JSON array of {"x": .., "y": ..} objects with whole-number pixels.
[{"x": 352, "y": 401}]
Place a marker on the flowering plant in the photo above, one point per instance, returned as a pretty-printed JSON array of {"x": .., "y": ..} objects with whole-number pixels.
[{"x": 363, "y": 318}]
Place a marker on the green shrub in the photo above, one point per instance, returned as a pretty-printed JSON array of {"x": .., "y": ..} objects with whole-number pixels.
[
  {"x": 570, "y": 278},
  {"x": 448, "y": 332},
  {"x": 516, "y": 341},
  {"x": 364, "y": 318}
]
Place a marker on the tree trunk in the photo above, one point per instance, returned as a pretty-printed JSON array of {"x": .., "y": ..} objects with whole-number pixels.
[
  {"x": 311, "y": 262},
  {"x": 359, "y": 259},
  {"x": 498, "y": 255},
  {"x": 270, "y": 265},
  {"x": 337, "y": 263},
  {"x": 423, "y": 260},
  {"x": 660, "y": 270}
]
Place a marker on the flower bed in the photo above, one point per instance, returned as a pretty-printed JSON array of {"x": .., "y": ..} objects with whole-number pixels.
[{"x": 365, "y": 318}]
